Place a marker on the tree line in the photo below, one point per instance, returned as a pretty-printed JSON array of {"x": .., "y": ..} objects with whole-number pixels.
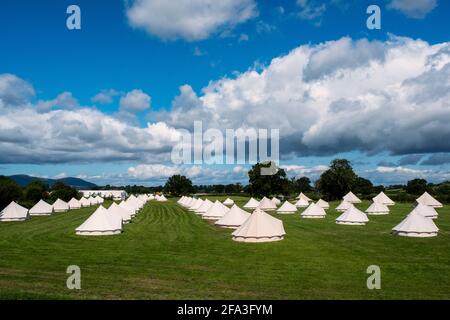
[
  {"x": 33, "y": 192},
  {"x": 332, "y": 184}
]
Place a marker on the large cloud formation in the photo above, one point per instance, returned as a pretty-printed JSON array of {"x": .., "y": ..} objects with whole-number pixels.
[
  {"x": 337, "y": 96},
  {"x": 190, "y": 20},
  {"x": 33, "y": 134}
]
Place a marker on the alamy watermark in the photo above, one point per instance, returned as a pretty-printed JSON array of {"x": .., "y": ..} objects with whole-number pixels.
[
  {"x": 74, "y": 280},
  {"x": 73, "y": 21},
  {"x": 374, "y": 280},
  {"x": 241, "y": 146},
  {"x": 374, "y": 20}
]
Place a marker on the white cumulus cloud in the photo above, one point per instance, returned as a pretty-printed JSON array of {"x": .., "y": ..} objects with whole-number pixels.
[
  {"x": 105, "y": 96},
  {"x": 14, "y": 90},
  {"x": 337, "y": 96},
  {"x": 64, "y": 100},
  {"x": 42, "y": 134},
  {"x": 190, "y": 20},
  {"x": 417, "y": 9},
  {"x": 135, "y": 101}
]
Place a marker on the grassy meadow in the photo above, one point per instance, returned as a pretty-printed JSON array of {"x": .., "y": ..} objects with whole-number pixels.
[{"x": 170, "y": 253}]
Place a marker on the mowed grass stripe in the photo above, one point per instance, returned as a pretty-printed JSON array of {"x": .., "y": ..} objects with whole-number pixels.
[{"x": 168, "y": 252}]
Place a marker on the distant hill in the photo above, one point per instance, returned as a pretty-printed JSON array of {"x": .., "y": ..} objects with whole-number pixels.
[{"x": 23, "y": 180}]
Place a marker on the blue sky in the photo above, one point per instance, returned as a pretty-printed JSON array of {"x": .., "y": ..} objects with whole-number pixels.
[{"x": 146, "y": 51}]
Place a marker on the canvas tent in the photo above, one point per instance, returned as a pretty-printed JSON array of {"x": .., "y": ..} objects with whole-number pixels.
[
  {"x": 302, "y": 203},
  {"x": 41, "y": 208},
  {"x": 260, "y": 227},
  {"x": 276, "y": 201},
  {"x": 130, "y": 203},
  {"x": 189, "y": 202},
  {"x": 383, "y": 199},
  {"x": 197, "y": 205},
  {"x": 228, "y": 202},
  {"x": 74, "y": 204},
  {"x": 85, "y": 202},
  {"x": 352, "y": 216},
  {"x": 416, "y": 225},
  {"x": 251, "y": 204},
  {"x": 204, "y": 207},
  {"x": 267, "y": 204},
  {"x": 377, "y": 208},
  {"x": 92, "y": 201},
  {"x": 14, "y": 212},
  {"x": 100, "y": 223},
  {"x": 216, "y": 211},
  {"x": 162, "y": 198},
  {"x": 426, "y": 211},
  {"x": 60, "y": 206},
  {"x": 130, "y": 209},
  {"x": 143, "y": 198},
  {"x": 428, "y": 200},
  {"x": 287, "y": 207},
  {"x": 323, "y": 204},
  {"x": 343, "y": 206},
  {"x": 185, "y": 201},
  {"x": 313, "y": 212},
  {"x": 350, "y": 197},
  {"x": 135, "y": 202},
  {"x": 303, "y": 196},
  {"x": 233, "y": 218},
  {"x": 194, "y": 203},
  {"x": 118, "y": 210}
]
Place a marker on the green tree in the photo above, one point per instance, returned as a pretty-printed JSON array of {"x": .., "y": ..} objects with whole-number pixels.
[
  {"x": 363, "y": 186},
  {"x": 443, "y": 188},
  {"x": 178, "y": 185},
  {"x": 416, "y": 186},
  {"x": 62, "y": 191},
  {"x": 266, "y": 185},
  {"x": 302, "y": 184},
  {"x": 9, "y": 191},
  {"x": 35, "y": 191},
  {"x": 337, "y": 180}
]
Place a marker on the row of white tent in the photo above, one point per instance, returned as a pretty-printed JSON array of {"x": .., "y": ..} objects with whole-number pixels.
[
  {"x": 425, "y": 199},
  {"x": 110, "y": 221},
  {"x": 15, "y": 212},
  {"x": 418, "y": 223},
  {"x": 256, "y": 227}
]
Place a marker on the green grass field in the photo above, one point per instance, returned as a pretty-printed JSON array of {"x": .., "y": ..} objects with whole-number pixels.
[{"x": 170, "y": 253}]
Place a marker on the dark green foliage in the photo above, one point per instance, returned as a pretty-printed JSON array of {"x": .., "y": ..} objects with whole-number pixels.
[
  {"x": 178, "y": 185},
  {"x": 416, "y": 186},
  {"x": 35, "y": 191},
  {"x": 62, "y": 191},
  {"x": 267, "y": 185},
  {"x": 233, "y": 188},
  {"x": 363, "y": 186},
  {"x": 338, "y": 180},
  {"x": 136, "y": 189},
  {"x": 9, "y": 191},
  {"x": 302, "y": 184}
]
